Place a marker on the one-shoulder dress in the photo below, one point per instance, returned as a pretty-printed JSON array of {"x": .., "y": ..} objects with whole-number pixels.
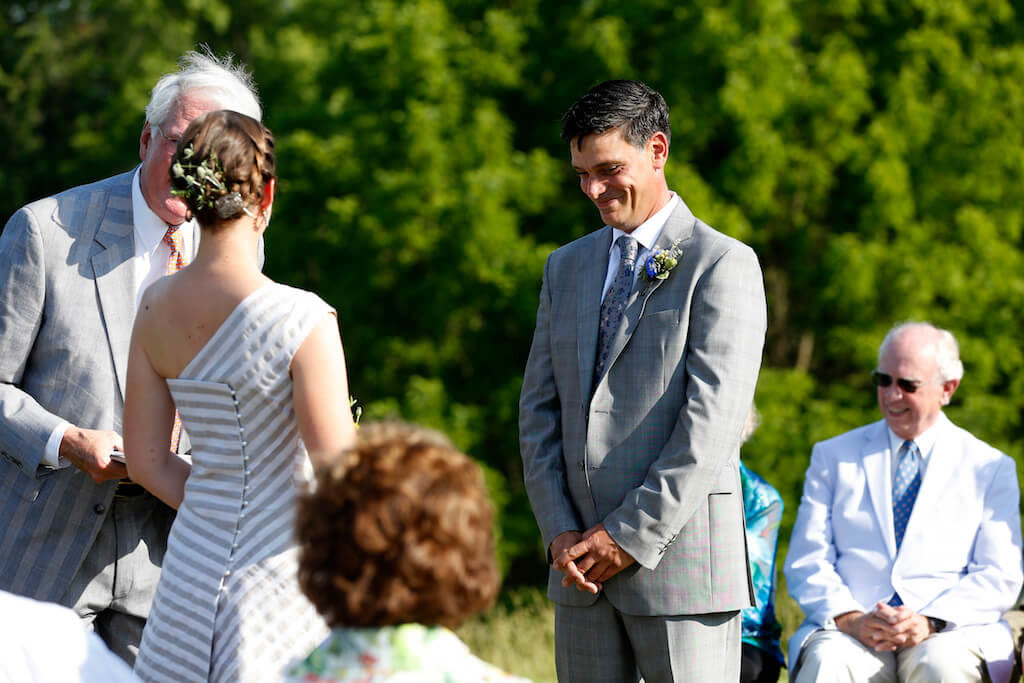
[{"x": 228, "y": 606}]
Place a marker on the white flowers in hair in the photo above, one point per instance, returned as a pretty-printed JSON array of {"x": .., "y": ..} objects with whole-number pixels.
[{"x": 204, "y": 185}]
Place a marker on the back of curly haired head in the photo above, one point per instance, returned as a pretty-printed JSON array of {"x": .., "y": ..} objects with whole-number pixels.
[
  {"x": 631, "y": 105},
  {"x": 398, "y": 530},
  {"x": 244, "y": 148}
]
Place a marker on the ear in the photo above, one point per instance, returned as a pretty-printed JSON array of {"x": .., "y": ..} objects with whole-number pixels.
[
  {"x": 657, "y": 147},
  {"x": 144, "y": 140},
  {"x": 269, "y": 188},
  {"x": 948, "y": 387}
]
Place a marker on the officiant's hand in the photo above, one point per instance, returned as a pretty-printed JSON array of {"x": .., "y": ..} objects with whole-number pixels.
[{"x": 89, "y": 450}]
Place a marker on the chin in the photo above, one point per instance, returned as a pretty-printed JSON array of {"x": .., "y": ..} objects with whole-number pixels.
[
  {"x": 176, "y": 209},
  {"x": 905, "y": 433}
]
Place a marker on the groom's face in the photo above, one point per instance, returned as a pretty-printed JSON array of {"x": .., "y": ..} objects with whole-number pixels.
[
  {"x": 626, "y": 184},
  {"x": 156, "y": 147}
]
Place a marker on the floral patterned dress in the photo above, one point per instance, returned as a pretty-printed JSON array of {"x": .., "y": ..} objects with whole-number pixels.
[{"x": 396, "y": 654}]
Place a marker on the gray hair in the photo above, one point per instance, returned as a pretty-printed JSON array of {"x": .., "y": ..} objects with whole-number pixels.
[
  {"x": 943, "y": 346},
  {"x": 228, "y": 85},
  {"x": 751, "y": 424}
]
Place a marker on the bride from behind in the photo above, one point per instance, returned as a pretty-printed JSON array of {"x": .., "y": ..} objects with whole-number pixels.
[{"x": 257, "y": 374}]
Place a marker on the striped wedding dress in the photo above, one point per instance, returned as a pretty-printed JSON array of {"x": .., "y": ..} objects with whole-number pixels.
[{"x": 228, "y": 606}]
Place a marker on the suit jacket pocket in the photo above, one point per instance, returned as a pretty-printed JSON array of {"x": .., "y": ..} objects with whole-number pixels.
[
  {"x": 729, "y": 570},
  {"x": 665, "y": 316},
  {"x": 30, "y": 491}
]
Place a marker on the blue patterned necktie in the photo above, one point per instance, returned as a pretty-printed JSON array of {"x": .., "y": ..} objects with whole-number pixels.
[
  {"x": 904, "y": 493},
  {"x": 615, "y": 303},
  {"x": 905, "y": 488}
]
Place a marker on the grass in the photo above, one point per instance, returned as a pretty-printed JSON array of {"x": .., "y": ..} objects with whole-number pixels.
[{"x": 518, "y": 633}]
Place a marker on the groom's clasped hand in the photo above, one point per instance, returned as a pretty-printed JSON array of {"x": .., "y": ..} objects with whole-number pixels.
[{"x": 588, "y": 559}]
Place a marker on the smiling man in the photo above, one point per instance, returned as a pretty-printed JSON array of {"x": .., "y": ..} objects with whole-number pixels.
[
  {"x": 907, "y": 544},
  {"x": 640, "y": 377}
]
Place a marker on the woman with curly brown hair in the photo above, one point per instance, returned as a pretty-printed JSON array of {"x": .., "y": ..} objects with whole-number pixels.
[
  {"x": 257, "y": 373},
  {"x": 396, "y": 548}
]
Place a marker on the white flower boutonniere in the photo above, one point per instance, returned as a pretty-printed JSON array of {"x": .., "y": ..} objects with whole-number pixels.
[{"x": 660, "y": 264}]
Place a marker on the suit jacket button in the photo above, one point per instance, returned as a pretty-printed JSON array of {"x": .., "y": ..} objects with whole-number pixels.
[
  {"x": 99, "y": 508},
  {"x": 580, "y": 466}
]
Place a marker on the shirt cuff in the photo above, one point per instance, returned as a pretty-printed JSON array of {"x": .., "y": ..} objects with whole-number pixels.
[{"x": 51, "y": 455}]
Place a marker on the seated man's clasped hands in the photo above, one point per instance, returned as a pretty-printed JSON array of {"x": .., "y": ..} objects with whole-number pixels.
[{"x": 907, "y": 544}]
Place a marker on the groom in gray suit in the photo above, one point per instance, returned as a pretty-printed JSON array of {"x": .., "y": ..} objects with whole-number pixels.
[
  {"x": 641, "y": 373},
  {"x": 72, "y": 269}
]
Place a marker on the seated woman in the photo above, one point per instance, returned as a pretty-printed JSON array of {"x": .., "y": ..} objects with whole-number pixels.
[
  {"x": 762, "y": 655},
  {"x": 396, "y": 548}
]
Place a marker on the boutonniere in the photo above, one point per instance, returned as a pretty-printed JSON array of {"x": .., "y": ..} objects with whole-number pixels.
[{"x": 660, "y": 263}]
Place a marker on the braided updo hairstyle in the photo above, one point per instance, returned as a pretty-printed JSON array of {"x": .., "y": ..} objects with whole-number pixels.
[{"x": 242, "y": 148}]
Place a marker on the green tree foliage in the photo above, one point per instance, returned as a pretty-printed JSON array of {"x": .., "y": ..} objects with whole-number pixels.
[{"x": 870, "y": 151}]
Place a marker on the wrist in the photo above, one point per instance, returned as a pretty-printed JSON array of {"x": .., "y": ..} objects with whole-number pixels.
[
  {"x": 844, "y": 621},
  {"x": 936, "y": 625}
]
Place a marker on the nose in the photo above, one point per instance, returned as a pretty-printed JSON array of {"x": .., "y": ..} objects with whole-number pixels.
[
  {"x": 591, "y": 187},
  {"x": 893, "y": 391}
]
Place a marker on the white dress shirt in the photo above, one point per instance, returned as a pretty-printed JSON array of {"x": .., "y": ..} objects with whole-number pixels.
[{"x": 148, "y": 265}]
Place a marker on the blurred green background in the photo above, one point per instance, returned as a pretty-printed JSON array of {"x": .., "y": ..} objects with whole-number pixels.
[{"x": 871, "y": 151}]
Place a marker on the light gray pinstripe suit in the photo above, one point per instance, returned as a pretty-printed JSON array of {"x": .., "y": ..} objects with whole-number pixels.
[
  {"x": 654, "y": 453},
  {"x": 67, "y": 303}
]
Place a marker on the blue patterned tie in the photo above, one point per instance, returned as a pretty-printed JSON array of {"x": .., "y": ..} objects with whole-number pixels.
[
  {"x": 615, "y": 303},
  {"x": 904, "y": 493},
  {"x": 905, "y": 488}
]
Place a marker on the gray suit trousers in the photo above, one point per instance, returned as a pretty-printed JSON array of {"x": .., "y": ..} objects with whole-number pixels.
[{"x": 599, "y": 644}]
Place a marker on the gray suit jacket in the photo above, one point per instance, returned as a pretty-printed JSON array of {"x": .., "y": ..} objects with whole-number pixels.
[
  {"x": 67, "y": 304},
  {"x": 654, "y": 453}
]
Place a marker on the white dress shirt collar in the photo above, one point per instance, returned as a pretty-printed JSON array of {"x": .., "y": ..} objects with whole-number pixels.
[
  {"x": 925, "y": 441},
  {"x": 646, "y": 235},
  {"x": 648, "y": 232},
  {"x": 149, "y": 228}
]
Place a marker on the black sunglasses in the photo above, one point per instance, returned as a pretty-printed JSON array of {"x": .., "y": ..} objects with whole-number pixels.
[{"x": 907, "y": 386}]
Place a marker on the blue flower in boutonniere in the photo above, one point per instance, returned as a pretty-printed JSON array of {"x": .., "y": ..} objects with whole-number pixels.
[{"x": 660, "y": 264}]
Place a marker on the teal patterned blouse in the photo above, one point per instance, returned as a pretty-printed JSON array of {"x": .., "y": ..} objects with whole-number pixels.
[
  {"x": 763, "y": 506},
  {"x": 394, "y": 654}
]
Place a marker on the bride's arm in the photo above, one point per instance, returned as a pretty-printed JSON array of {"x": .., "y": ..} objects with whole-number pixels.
[
  {"x": 148, "y": 420},
  {"x": 320, "y": 392}
]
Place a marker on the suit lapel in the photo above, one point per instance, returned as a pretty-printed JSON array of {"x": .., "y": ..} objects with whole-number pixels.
[
  {"x": 938, "y": 476},
  {"x": 113, "y": 270},
  {"x": 593, "y": 270},
  {"x": 878, "y": 469},
  {"x": 677, "y": 231}
]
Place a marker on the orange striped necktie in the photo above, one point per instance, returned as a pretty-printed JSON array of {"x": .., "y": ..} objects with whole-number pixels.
[{"x": 175, "y": 262}]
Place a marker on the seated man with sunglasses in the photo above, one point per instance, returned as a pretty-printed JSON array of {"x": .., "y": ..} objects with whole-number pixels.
[{"x": 907, "y": 545}]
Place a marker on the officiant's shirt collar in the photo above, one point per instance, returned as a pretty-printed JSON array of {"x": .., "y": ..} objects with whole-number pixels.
[{"x": 149, "y": 228}]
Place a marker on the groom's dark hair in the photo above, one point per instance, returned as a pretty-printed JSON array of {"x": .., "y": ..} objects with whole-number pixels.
[{"x": 638, "y": 109}]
